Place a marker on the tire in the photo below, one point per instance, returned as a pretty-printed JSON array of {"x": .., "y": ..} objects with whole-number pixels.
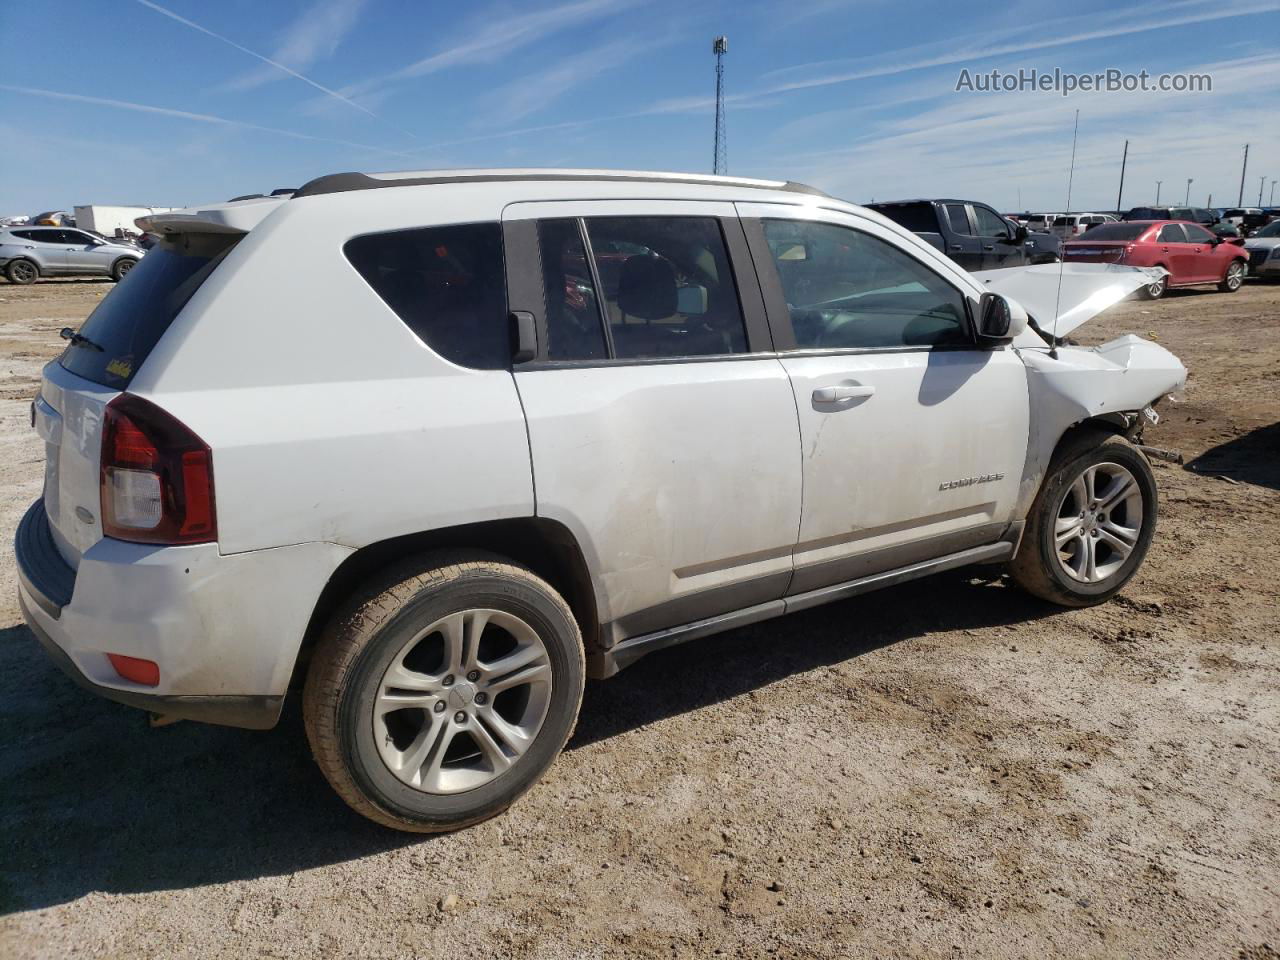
[
  {"x": 1154, "y": 291},
  {"x": 22, "y": 271},
  {"x": 121, "y": 267},
  {"x": 1233, "y": 279},
  {"x": 1062, "y": 576},
  {"x": 422, "y": 767}
]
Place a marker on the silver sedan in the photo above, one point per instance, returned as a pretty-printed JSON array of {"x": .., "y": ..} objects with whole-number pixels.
[{"x": 29, "y": 253}]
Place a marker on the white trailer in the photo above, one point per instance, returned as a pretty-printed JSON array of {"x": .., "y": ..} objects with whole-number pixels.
[{"x": 106, "y": 220}]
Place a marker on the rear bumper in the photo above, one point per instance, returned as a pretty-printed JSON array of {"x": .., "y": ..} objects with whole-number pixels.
[
  {"x": 255, "y": 713},
  {"x": 224, "y": 630}
]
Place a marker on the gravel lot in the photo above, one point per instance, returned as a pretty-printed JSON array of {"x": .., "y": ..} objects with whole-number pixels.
[{"x": 947, "y": 768}]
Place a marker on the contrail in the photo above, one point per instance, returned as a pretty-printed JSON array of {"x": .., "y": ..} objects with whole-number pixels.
[
  {"x": 188, "y": 115},
  {"x": 150, "y": 5}
]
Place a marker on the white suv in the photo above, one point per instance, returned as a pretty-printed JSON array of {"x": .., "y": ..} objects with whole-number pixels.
[{"x": 443, "y": 445}]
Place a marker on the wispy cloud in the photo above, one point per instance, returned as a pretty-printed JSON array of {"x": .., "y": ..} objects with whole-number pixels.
[
  {"x": 528, "y": 94},
  {"x": 187, "y": 115},
  {"x": 275, "y": 64},
  {"x": 1042, "y": 35},
  {"x": 495, "y": 37},
  {"x": 314, "y": 35}
]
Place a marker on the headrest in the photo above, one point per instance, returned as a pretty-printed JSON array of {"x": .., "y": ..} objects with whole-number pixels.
[{"x": 647, "y": 287}]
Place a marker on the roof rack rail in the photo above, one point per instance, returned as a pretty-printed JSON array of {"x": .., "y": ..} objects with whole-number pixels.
[{"x": 348, "y": 182}]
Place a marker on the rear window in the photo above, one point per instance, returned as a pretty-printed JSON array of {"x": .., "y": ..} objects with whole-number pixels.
[
  {"x": 131, "y": 319},
  {"x": 448, "y": 285},
  {"x": 1063, "y": 221},
  {"x": 1117, "y": 231},
  {"x": 916, "y": 217}
]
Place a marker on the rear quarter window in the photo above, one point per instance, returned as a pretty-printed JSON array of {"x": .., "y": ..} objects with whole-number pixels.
[
  {"x": 125, "y": 327},
  {"x": 447, "y": 284}
]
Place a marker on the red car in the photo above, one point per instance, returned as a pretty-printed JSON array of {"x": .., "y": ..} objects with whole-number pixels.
[{"x": 1190, "y": 253}]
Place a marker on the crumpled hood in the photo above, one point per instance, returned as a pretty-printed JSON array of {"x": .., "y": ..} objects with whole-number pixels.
[{"x": 1086, "y": 289}]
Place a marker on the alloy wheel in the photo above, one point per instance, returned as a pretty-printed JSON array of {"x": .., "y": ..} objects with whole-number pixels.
[
  {"x": 1235, "y": 276},
  {"x": 1098, "y": 522},
  {"x": 462, "y": 701}
]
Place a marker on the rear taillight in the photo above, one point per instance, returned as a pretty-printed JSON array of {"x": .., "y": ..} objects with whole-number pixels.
[{"x": 156, "y": 478}]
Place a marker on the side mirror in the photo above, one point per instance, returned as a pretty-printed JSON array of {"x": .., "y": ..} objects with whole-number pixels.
[
  {"x": 1214, "y": 241},
  {"x": 999, "y": 318},
  {"x": 1020, "y": 234}
]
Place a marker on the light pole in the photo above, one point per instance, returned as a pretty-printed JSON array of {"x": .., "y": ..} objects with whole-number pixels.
[
  {"x": 1158, "y": 182},
  {"x": 1187, "y": 201},
  {"x": 1261, "y": 184},
  {"x": 1271, "y": 200}
]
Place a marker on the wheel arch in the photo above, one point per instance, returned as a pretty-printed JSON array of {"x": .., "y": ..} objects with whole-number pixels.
[{"x": 546, "y": 547}]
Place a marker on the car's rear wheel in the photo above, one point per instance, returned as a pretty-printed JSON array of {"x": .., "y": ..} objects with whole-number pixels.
[
  {"x": 443, "y": 692},
  {"x": 1091, "y": 523},
  {"x": 1156, "y": 289},
  {"x": 121, "y": 267},
  {"x": 1233, "y": 278},
  {"x": 22, "y": 271}
]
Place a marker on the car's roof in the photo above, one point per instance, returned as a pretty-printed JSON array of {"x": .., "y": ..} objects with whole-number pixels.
[{"x": 347, "y": 182}]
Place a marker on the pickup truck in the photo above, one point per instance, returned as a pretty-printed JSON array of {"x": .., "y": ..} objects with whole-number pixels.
[{"x": 972, "y": 234}]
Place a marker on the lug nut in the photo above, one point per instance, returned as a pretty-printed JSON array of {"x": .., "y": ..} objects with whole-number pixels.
[
  {"x": 448, "y": 681},
  {"x": 482, "y": 698},
  {"x": 459, "y": 717},
  {"x": 439, "y": 707},
  {"x": 473, "y": 676}
]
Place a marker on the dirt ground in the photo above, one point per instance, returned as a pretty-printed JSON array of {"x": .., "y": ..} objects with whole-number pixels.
[{"x": 944, "y": 769}]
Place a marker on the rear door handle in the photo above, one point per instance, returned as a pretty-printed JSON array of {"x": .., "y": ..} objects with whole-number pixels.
[
  {"x": 986, "y": 247},
  {"x": 842, "y": 393}
]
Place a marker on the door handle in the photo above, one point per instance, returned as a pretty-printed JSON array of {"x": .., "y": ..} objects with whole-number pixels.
[
  {"x": 841, "y": 394},
  {"x": 988, "y": 246}
]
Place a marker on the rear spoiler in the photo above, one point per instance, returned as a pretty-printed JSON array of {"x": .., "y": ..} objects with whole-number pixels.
[{"x": 239, "y": 216}]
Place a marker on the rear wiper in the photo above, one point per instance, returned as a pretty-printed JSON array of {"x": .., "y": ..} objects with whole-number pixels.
[{"x": 78, "y": 339}]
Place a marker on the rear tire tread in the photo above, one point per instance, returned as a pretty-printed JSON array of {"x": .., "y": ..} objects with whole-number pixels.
[{"x": 348, "y": 633}]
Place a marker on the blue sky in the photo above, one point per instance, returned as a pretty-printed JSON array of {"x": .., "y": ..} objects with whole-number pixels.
[{"x": 173, "y": 102}]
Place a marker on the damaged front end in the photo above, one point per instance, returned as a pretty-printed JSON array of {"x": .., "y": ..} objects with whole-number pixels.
[{"x": 1117, "y": 384}]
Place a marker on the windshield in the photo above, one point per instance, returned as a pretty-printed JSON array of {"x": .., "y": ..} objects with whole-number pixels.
[
  {"x": 129, "y": 322},
  {"x": 1270, "y": 230},
  {"x": 1116, "y": 231}
]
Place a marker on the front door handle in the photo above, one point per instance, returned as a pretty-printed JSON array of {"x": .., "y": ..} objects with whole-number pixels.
[
  {"x": 988, "y": 247},
  {"x": 842, "y": 393}
]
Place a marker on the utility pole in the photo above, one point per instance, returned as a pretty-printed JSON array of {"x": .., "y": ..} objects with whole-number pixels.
[
  {"x": 1261, "y": 184},
  {"x": 1187, "y": 201},
  {"x": 1123, "y": 160},
  {"x": 1158, "y": 182},
  {"x": 1271, "y": 201},
  {"x": 1240, "y": 201},
  {"x": 720, "y": 46}
]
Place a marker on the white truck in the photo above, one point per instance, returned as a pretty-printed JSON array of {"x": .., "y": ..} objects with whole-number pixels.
[{"x": 106, "y": 220}]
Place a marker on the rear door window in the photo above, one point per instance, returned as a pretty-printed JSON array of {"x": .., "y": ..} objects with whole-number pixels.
[
  {"x": 447, "y": 284},
  {"x": 666, "y": 287},
  {"x": 958, "y": 217},
  {"x": 1171, "y": 233},
  {"x": 129, "y": 322}
]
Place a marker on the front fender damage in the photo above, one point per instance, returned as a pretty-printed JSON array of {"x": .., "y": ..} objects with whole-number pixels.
[{"x": 1115, "y": 381}]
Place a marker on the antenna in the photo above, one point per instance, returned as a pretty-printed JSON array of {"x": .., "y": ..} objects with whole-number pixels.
[
  {"x": 720, "y": 46},
  {"x": 1053, "y": 347}
]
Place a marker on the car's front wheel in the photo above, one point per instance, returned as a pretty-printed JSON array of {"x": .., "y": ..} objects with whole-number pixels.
[
  {"x": 444, "y": 691},
  {"x": 1233, "y": 278},
  {"x": 1091, "y": 523}
]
